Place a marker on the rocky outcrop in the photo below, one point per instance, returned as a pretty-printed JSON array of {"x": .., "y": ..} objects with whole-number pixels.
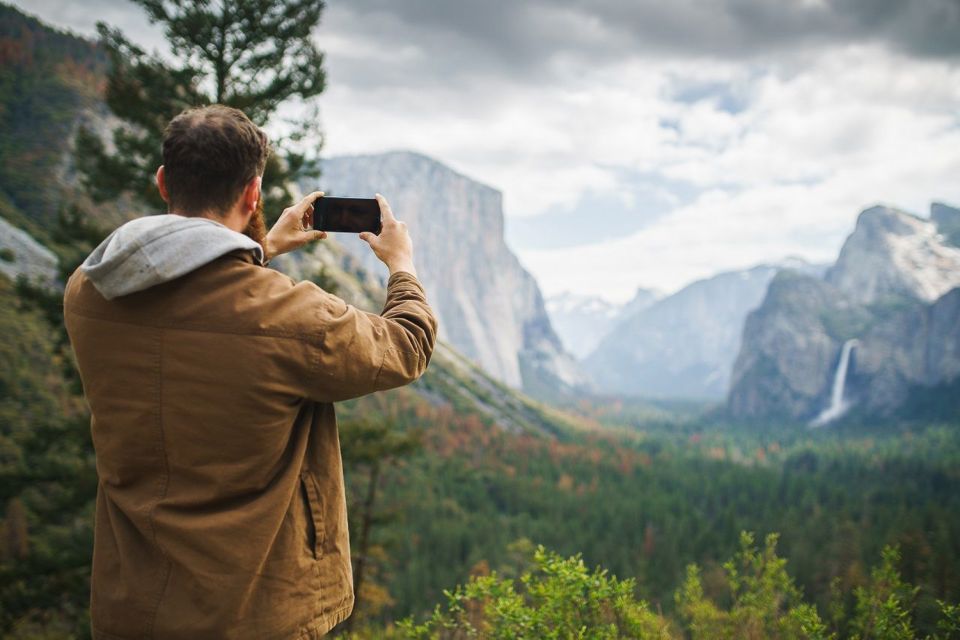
[
  {"x": 22, "y": 256},
  {"x": 790, "y": 348},
  {"x": 918, "y": 346},
  {"x": 893, "y": 289},
  {"x": 893, "y": 255},
  {"x": 490, "y": 308}
]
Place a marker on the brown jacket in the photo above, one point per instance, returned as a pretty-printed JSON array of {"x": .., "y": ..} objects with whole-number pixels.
[{"x": 220, "y": 509}]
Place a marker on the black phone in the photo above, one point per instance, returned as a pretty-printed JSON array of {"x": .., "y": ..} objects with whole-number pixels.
[{"x": 348, "y": 215}]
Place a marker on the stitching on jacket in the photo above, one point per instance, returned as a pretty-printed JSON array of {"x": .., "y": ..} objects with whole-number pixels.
[
  {"x": 317, "y": 336},
  {"x": 387, "y": 351},
  {"x": 162, "y": 483},
  {"x": 329, "y": 619},
  {"x": 383, "y": 362}
]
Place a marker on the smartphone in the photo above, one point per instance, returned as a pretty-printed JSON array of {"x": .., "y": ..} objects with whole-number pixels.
[{"x": 348, "y": 215}]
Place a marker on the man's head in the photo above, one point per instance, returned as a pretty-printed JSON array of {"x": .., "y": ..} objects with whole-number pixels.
[{"x": 213, "y": 160}]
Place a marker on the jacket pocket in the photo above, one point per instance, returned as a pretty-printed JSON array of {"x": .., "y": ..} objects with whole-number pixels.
[{"x": 314, "y": 519}]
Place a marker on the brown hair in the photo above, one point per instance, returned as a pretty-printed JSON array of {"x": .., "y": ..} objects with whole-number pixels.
[{"x": 210, "y": 154}]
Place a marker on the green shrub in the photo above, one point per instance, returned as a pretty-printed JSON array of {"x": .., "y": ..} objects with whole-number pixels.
[{"x": 558, "y": 598}]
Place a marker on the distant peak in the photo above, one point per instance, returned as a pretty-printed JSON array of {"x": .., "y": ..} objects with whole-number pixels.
[
  {"x": 886, "y": 219},
  {"x": 404, "y": 155},
  {"x": 402, "y": 160}
]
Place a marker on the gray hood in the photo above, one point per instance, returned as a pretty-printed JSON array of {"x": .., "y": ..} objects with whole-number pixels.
[{"x": 155, "y": 249}]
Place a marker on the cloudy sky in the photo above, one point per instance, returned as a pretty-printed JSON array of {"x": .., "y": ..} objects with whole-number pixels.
[{"x": 642, "y": 142}]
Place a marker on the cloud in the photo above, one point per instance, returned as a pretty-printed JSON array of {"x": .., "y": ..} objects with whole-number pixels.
[
  {"x": 787, "y": 174},
  {"x": 529, "y": 39},
  {"x": 641, "y": 142}
]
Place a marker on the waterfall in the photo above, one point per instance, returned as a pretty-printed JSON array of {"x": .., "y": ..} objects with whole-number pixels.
[{"x": 837, "y": 406}]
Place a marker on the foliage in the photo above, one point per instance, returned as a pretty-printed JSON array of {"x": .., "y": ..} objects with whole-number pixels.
[
  {"x": 883, "y": 606},
  {"x": 255, "y": 55},
  {"x": 369, "y": 447},
  {"x": 765, "y": 602},
  {"x": 558, "y": 598},
  {"x": 47, "y": 478}
]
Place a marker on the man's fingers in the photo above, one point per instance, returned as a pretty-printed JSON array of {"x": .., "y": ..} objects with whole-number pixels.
[
  {"x": 385, "y": 211},
  {"x": 307, "y": 202},
  {"x": 318, "y": 235}
]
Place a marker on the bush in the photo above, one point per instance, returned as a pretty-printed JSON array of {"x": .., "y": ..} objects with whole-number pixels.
[{"x": 557, "y": 598}]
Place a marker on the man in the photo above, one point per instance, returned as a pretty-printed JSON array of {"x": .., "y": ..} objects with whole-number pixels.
[{"x": 210, "y": 379}]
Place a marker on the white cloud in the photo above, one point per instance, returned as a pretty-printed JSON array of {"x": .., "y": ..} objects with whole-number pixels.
[
  {"x": 816, "y": 138},
  {"x": 764, "y": 154}
]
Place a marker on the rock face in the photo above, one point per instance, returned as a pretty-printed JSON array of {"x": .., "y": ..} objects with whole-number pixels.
[
  {"x": 790, "y": 348},
  {"x": 490, "y": 308},
  {"x": 21, "y": 255},
  {"x": 683, "y": 345},
  {"x": 893, "y": 289},
  {"x": 582, "y": 321},
  {"x": 894, "y": 255},
  {"x": 947, "y": 220}
]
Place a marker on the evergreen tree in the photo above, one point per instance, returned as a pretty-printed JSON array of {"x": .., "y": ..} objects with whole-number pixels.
[
  {"x": 369, "y": 447},
  {"x": 255, "y": 55}
]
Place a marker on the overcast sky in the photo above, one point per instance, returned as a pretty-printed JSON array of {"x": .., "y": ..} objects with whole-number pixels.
[{"x": 642, "y": 142}]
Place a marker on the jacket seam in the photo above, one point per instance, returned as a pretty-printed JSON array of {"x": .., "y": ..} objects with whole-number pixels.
[
  {"x": 162, "y": 484},
  {"x": 288, "y": 335},
  {"x": 329, "y": 619}
]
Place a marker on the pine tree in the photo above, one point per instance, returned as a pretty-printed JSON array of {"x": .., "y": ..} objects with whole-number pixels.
[
  {"x": 255, "y": 55},
  {"x": 369, "y": 448}
]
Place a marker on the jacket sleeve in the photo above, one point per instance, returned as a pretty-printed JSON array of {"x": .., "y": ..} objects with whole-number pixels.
[{"x": 362, "y": 352}]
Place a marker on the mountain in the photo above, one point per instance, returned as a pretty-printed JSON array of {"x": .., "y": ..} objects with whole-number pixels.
[
  {"x": 894, "y": 255},
  {"x": 490, "y": 308},
  {"x": 582, "y": 321},
  {"x": 893, "y": 290},
  {"x": 683, "y": 345}
]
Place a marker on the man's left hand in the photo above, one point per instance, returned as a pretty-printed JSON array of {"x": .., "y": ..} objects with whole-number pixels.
[{"x": 294, "y": 228}]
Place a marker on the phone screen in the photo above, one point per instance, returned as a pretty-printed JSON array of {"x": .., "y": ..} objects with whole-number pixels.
[{"x": 348, "y": 215}]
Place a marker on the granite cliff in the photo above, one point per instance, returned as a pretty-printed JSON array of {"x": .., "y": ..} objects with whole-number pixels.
[
  {"x": 894, "y": 289},
  {"x": 490, "y": 308}
]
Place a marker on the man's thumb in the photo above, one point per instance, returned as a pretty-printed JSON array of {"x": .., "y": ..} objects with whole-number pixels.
[
  {"x": 318, "y": 235},
  {"x": 365, "y": 236}
]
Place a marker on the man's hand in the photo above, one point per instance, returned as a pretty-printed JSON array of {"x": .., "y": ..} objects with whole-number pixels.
[
  {"x": 393, "y": 246},
  {"x": 294, "y": 228}
]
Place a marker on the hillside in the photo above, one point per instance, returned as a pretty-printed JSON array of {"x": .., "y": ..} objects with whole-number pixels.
[{"x": 48, "y": 81}]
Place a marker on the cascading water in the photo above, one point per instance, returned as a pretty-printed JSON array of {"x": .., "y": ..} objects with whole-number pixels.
[{"x": 837, "y": 404}]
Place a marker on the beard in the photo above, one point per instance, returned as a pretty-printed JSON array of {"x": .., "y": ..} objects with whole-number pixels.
[{"x": 257, "y": 227}]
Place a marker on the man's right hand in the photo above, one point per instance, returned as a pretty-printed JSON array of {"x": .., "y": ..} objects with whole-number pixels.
[{"x": 393, "y": 246}]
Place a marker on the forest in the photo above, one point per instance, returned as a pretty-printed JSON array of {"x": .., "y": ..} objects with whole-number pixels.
[{"x": 598, "y": 518}]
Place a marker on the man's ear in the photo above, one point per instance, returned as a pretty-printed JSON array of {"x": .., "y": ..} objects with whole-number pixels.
[
  {"x": 162, "y": 185},
  {"x": 251, "y": 195}
]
